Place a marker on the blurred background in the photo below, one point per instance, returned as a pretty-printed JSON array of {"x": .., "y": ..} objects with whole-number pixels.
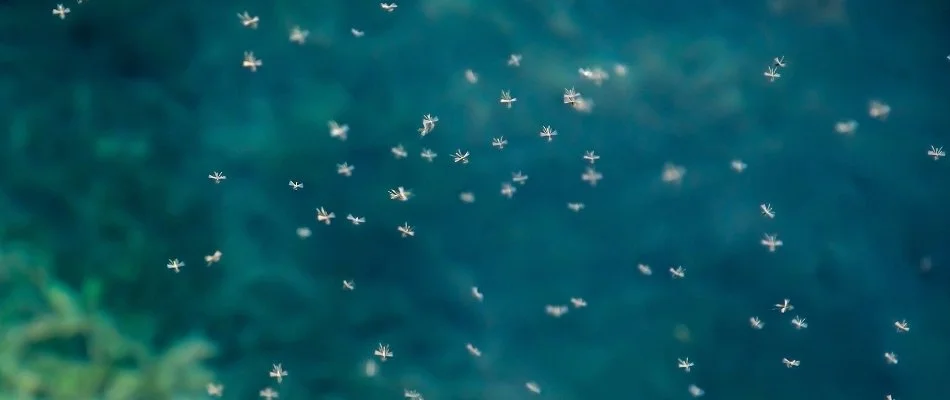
[{"x": 114, "y": 116}]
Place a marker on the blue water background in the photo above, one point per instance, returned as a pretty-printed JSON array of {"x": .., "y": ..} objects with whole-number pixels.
[{"x": 115, "y": 116}]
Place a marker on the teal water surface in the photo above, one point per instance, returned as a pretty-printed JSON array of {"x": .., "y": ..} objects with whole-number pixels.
[{"x": 117, "y": 114}]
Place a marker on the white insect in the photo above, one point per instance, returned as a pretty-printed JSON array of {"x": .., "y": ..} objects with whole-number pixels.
[
  {"x": 508, "y": 190},
  {"x": 571, "y": 96},
  {"x": 620, "y": 69},
  {"x": 533, "y": 387},
  {"x": 685, "y": 365},
  {"x": 678, "y": 273},
  {"x": 756, "y": 323},
  {"x": 405, "y": 230},
  {"x": 591, "y": 176},
  {"x": 345, "y": 169},
  {"x": 936, "y": 152},
  {"x": 596, "y": 75},
  {"x": 400, "y": 194},
  {"x": 277, "y": 372},
  {"x": 338, "y": 131},
  {"x": 847, "y": 127},
  {"x": 779, "y": 62},
  {"x": 399, "y": 152},
  {"x": 785, "y": 305},
  {"x": 428, "y": 155},
  {"x": 578, "y": 302},
  {"x": 61, "y": 11},
  {"x": 213, "y": 257},
  {"x": 324, "y": 216},
  {"x": 591, "y": 157},
  {"x": 473, "y": 350},
  {"x": 519, "y": 178},
  {"x": 295, "y": 185},
  {"x": 575, "y": 207},
  {"x": 471, "y": 76},
  {"x": 460, "y": 157},
  {"x": 499, "y": 142},
  {"x": 695, "y": 391},
  {"x": 583, "y": 105},
  {"x": 355, "y": 220},
  {"x": 790, "y": 363},
  {"x": 390, "y": 7},
  {"x": 673, "y": 173},
  {"x": 878, "y": 110},
  {"x": 348, "y": 285},
  {"x": 645, "y": 269},
  {"x": 891, "y": 358},
  {"x": 428, "y": 124},
  {"x": 514, "y": 60},
  {"x": 215, "y": 390},
  {"x": 738, "y": 165},
  {"x": 357, "y": 33},
  {"x": 767, "y": 210},
  {"x": 772, "y": 242},
  {"x": 370, "y": 368},
  {"x": 506, "y": 99},
  {"x": 901, "y": 325},
  {"x": 217, "y": 177},
  {"x": 772, "y": 74},
  {"x": 382, "y": 351},
  {"x": 251, "y": 62},
  {"x": 799, "y": 323},
  {"x": 298, "y": 35},
  {"x": 175, "y": 265},
  {"x": 548, "y": 133},
  {"x": 248, "y": 21},
  {"x": 555, "y": 311},
  {"x": 477, "y": 294},
  {"x": 268, "y": 394}
]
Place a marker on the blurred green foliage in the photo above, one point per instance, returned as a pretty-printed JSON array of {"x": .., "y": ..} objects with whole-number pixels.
[{"x": 58, "y": 344}]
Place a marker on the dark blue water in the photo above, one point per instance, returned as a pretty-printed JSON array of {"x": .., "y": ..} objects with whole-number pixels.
[{"x": 115, "y": 116}]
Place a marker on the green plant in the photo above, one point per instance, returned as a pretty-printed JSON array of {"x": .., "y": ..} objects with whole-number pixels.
[{"x": 56, "y": 344}]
